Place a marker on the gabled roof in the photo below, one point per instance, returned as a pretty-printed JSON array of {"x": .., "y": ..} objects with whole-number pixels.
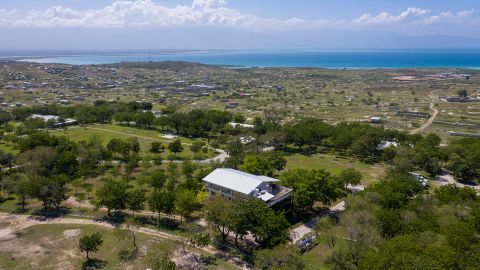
[{"x": 237, "y": 180}]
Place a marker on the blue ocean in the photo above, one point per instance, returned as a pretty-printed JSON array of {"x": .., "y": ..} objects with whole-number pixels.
[{"x": 334, "y": 59}]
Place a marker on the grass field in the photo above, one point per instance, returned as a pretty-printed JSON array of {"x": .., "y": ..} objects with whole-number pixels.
[
  {"x": 8, "y": 147},
  {"x": 53, "y": 250},
  {"x": 109, "y": 131},
  {"x": 334, "y": 164}
]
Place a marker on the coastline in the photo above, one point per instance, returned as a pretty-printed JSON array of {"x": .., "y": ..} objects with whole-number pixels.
[{"x": 327, "y": 59}]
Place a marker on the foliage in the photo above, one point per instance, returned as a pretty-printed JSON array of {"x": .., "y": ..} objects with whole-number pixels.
[
  {"x": 112, "y": 195},
  {"x": 185, "y": 202},
  {"x": 313, "y": 185},
  {"x": 175, "y": 146},
  {"x": 264, "y": 164},
  {"x": 90, "y": 243},
  {"x": 283, "y": 257}
]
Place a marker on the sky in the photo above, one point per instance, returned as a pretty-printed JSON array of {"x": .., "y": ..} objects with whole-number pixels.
[{"x": 238, "y": 24}]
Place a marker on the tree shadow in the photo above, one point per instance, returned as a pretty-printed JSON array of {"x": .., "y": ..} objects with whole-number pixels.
[
  {"x": 51, "y": 213},
  {"x": 126, "y": 255},
  {"x": 94, "y": 264}
]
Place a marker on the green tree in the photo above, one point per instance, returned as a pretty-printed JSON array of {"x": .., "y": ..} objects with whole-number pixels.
[
  {"x": 156, "y": 148},
  {"x": 76, "y": 184},
  {"x": 51, "y": 191},
  {"x": 197, "y": 147},
  {"x": 161, "y": 201},
  {"x": 265, "y": 164},
  {"x": 185, "y": 202},
  {"x": 135, "y": 200},
  {"x": 112, "y": 195},
  {"x": 284, "y": 257},
  {"x": 175, "y": 147},
  {"x": 200, "y": 240},
  {"x": 22, "y": 188},
  {"x": 218, "y": 213},
  {"x": 157, "y": 179},
  {"x": 350, "y": 176},
  {"x": 313, "y": 185},
  {"x": 270, "y": 228},
  {"x": 90, "y": 243}
]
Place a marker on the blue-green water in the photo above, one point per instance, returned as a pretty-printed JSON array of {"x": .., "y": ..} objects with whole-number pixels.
[{"x": 421, "y": 58}]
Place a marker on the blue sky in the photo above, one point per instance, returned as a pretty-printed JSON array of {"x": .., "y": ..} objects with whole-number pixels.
[{"x": 238, "y": 24}]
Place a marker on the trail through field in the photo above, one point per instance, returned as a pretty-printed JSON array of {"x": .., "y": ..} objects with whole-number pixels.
[
  {"x": 10, "y": 224},
  {"x": 18, "y": 222},
  {"x": 432, "y": 117}
]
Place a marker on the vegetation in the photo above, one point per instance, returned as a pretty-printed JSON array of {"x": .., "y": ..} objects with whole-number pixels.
[
  {"x": 129, "y": 158},
  {"x": 90, "y": 243}
]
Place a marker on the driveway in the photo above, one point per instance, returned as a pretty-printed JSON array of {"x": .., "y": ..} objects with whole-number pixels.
[{"x": 308, "y": 226}]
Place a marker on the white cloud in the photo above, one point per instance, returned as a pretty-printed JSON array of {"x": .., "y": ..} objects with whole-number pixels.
[
  {"x": 415, "y": 16},
  {"x": 448, "y": 17},
  {"x": 386, "y": 18},
  {"x": 125, "y": 13}
]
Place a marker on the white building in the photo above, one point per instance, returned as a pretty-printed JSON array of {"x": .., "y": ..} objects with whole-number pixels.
[
  {"x": 55, "y": 119},
  {"x": 231, "y": 183},
  {"x": 234, "y": 125}
]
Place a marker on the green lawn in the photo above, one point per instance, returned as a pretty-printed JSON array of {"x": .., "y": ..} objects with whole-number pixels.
[
  {"x": 335, "y": 165},
  {"x": 109, "y": 131},
  {"x": 8, "y": 147}
]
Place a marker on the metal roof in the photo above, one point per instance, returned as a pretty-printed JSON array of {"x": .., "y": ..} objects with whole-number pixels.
[{"x": 237, "y": 180}]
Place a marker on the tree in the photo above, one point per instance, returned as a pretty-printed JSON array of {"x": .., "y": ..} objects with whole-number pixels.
[
  {"x": 265, "y": 164},
  {"x": 129, "y": 230},
  {"x": 175, "y": 147},
  {"x": 161, "y": 202},
  {"x": 462, "y": 93},
  {"x": 22, "y": 188},
  {"x": 200, "y": 240},
  {"x": 6, "y": 159},
  {"x": 135, "y": 200},
  {"x": 38, "y": 161},
  {"x": 185, "y": 202},
  {"x": 196, "y": 147},
  {"x": 188, "y": 168},
  {"x": 156, "y": 148},
  {"x": 243, "y": 216},
  {"x": 76, "y": 184},
  {"x": 134, "y": 145},
  {"x": 284, "y": 257},
  {"x": 218, "y": 212},
  {"x": 132, "y": 164},
  {"x": 269, "y": 229},
  {"x": 90, "y": 243},
  {"x": 157, "y": 160},
  {"x": 350, "y": 176},
  {"x": 112, "y": 195},
  {"x": 157, "y": 179},
  {"x": 313, "y": 185},
  {"x": 51, "y": 191}
]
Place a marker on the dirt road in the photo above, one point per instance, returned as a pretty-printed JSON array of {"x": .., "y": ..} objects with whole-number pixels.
[
  {"x": 12, "y": 223},
  {"x": 432, "y": 117},
  {"x": 308, "y": 226}
]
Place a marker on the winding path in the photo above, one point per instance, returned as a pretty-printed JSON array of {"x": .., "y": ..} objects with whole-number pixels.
[
  {"x": 18, "y": 222},
  {"x": 432, "y": 117}
]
